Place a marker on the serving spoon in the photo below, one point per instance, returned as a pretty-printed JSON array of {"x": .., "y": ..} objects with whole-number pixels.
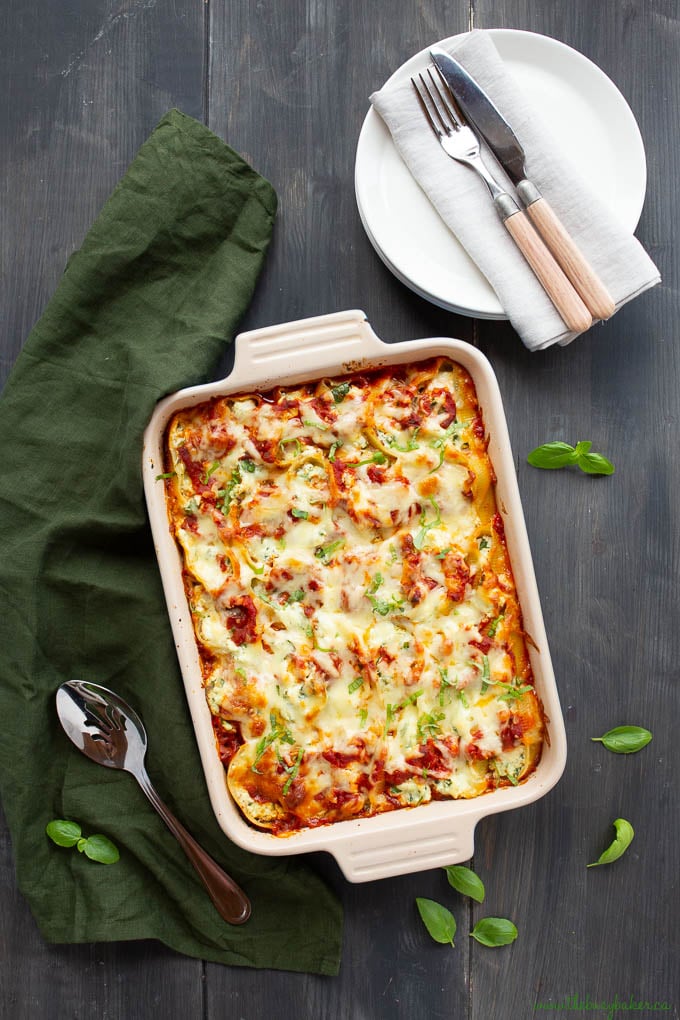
[{"x": 109, "y": 731}]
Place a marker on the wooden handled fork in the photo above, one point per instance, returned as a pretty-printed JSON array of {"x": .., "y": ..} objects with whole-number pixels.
[{"x": 460, "y": 142}]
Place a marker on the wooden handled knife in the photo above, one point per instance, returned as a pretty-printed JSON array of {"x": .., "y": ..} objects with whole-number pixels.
[{"x": 501, "y": 139}]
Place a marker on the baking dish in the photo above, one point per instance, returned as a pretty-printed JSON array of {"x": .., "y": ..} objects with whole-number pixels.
[{"x": 412, "y": 839}]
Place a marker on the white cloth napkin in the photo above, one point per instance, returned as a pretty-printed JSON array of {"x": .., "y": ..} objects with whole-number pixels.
[{"x": 462, "y": 200}]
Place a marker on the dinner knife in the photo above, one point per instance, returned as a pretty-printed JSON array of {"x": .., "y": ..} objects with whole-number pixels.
[{"x": 501, "y": 139}]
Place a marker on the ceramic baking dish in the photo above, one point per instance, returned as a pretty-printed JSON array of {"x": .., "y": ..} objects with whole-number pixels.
[{"x": 411, "y": 839}]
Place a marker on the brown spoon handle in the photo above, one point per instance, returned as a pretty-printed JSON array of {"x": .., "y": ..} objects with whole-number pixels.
[{"x": 230, "y": 901}]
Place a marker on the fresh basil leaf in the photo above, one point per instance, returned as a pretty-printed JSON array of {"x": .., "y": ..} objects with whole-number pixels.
[
  {"x": 595, "y": 464},
  {"x": 466, "y": 882},
  {"x": 558, "y": 455},
  {"x": 624, "y": 837},
  {"x": 625, "y": 739},
  {"x": 552, "y": 455},
  {"x": 440, "y": 922},
  {"x": 63, "y": 833},
  {"x": 99, "y": 848},
  {"x": 494, "y": 931}
]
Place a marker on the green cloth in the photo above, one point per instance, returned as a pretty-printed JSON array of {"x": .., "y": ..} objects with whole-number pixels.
[{"x": 146, "y": 306}]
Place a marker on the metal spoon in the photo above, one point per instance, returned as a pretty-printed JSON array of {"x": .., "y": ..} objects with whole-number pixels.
[{"x": 108, "y": 731}]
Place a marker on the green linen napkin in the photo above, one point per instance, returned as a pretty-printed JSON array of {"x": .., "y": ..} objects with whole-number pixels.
[{"x": 144, "y": 307}]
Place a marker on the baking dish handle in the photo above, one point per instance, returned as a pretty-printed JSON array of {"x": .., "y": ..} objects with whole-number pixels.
[
  {"x": 431, "y": 843},
  {"x": 338, "y": 342}
]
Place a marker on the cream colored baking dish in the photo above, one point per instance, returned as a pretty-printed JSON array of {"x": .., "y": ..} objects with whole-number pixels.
[{"x": 411, "y": 839}]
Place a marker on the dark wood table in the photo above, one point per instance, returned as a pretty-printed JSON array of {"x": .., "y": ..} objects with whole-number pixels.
[{"x": 286, "y": 83}]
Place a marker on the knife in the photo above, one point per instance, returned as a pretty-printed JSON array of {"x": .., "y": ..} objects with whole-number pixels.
[{"x": 501, "y": 139}]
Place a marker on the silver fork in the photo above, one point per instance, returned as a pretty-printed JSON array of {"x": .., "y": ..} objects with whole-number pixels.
[{"x": 460, "y": 142}]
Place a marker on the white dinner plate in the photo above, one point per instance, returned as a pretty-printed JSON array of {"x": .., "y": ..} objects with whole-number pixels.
[{"x": 594, "y": 121}]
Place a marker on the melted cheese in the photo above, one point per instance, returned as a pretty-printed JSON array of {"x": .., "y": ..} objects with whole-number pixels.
[{"x": 352, "y": 596}]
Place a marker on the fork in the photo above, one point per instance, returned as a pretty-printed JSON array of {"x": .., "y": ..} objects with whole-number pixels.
[{"x": 460, "y": 142}]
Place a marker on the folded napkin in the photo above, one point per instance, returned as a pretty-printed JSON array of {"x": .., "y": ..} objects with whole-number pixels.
[
  {"x": 462, "y": 199},
  {"x": 146, "y": 306}
]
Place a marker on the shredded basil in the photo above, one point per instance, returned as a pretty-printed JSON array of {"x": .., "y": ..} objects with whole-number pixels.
[
  {"x": 277, "y": 733},
  {"x": 285, "y": 442},
  {"x": 513, "y": 691},
  {"x": 325, "y": 552},
  {"x": 340, "y": 391},
  {"x": 292, "y": 771},
  {"x": 486, "y": 674},
  {"x": 410, "y": 699},
  {"x": 493, "y": 626},
  {"x": 210, "y": 471},
  {"x": 428, "y": 724},
  {"x": 333, "y": 450},
  {"x": 377, "y": 458},
  {"x": 411, "y": 443},
  {"x": 227, "y": 494},
  {"x": 385, "y": 606},
  {"x": 419, "y": 540}
]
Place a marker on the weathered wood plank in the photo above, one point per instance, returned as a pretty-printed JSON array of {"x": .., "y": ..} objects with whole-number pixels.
[
  {"x": 292, "y": 96},
  {"x": 288, "y": 86},
  {"x": 82, "y": 86},
  {"x": 606, "y": 556}
]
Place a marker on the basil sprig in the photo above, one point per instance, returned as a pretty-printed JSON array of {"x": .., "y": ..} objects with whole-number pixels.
[
  {"x": 440, "y": 922},
  {"x": 555, "y": 455},
  {"x": 494, "y": 931},
  {"x": 466, "y": 882},
  {"x": 625, "y": 739},
  {"x": 69, "y": 834},
  {"x": 624, "y": 837}
]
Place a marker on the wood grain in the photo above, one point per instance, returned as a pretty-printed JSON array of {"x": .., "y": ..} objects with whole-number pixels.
[
  {"x": 606, "y": 553},
  {"x": 574, "y": 313},
  {"x": 571, "y": 259},
  {"x": 287, "y": 84}
]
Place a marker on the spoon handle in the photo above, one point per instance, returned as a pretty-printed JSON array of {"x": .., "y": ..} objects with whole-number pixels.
[{"x": 230, "y": 901}]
